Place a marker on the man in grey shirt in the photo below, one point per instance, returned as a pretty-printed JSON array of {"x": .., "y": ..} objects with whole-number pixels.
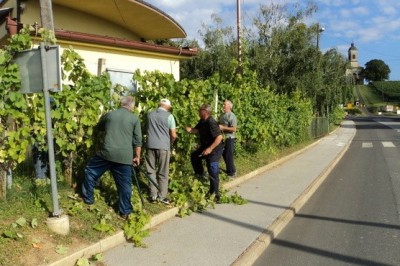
[
  {"x": 161, "y": 133},
  {"x": 228, "y": 124}
]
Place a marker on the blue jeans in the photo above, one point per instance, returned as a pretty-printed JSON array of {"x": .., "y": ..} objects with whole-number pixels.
[
  {"x": 41, "y": 161},
  {"x": 122, "y": 174},
  {"x": 212, "y": 162}
]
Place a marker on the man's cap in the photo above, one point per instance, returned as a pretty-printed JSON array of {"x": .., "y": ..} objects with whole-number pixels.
[{"x": 166, "y": 102}]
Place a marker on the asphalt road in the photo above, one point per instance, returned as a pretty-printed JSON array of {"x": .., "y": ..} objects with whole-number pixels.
[{"x": 354, "y": 217}]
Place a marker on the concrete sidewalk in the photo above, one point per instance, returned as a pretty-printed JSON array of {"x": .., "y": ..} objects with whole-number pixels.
[{"x": 231, "y": 234}]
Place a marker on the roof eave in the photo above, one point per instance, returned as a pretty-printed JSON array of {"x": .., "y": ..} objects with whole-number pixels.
[{"x": 122, "y": 43}]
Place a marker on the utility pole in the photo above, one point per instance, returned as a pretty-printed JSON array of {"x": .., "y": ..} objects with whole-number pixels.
[
  {"x": 319, "y": 31},
  {"x": 239, "y": 38},
  {"x": 46, "y": 13},
  {"x": 58, "y": 223}
]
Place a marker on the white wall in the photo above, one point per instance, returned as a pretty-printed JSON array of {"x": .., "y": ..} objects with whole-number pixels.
[{"x": 127, "y": 61}]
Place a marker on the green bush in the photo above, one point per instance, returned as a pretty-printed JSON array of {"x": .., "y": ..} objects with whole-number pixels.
[{"x": 337, "y": 116}]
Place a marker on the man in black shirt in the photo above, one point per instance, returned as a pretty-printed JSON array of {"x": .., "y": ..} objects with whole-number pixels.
[{"x": 211, "y": 148}]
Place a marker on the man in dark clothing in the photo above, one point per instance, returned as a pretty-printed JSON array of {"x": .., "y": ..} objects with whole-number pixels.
[
  {"x": 120, "y": 149},
  {"x": 211, "y": 148}
]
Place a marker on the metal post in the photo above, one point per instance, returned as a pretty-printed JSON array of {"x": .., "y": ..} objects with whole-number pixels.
[
  {"x": 49, "y": 129},
  {"x": 327, "y": 115},
  {"x": 46, "y": 14},
  {"x": 319, "y": 31},
  {"x": 239, "y": 38},
  {"x": 9, "y": 178},
  {"x": 215, "y": 102}
]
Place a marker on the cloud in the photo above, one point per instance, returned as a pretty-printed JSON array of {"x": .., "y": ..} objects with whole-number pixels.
[
  {"x": 389, "y": 10},
  {"x": 168, "y": 4},
  {"x": 371, "y": 24},
  {"x": 369, "y": 34}
]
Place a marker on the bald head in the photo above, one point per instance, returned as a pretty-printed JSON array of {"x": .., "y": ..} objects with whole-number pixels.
[{"x": 127, "y": 102}]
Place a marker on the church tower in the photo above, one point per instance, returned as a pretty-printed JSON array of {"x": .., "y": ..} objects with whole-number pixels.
[
  {"x": 353, "y": 56},
  {"x": 354, "y": 72}
]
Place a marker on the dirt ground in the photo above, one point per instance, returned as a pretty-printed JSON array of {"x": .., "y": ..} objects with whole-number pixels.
[{"x": 43, "y": 250}]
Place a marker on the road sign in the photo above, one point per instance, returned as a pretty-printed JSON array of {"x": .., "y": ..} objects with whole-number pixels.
[{"x": 30, "y": 66}]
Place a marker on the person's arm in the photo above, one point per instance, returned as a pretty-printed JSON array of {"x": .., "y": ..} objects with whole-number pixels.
[
  {"x": 172, "y": 128},
  {"x": 102, "y": 122},
  {"x": 231, "y": 127},
  {"x": 136, "y": 159},
  {"x": 227, "y": 129},
  {"x": 172, "y": 135},
  {"x": 213, "y": 145},
  {"x": 137, "y": 143},
  {"x": 192, "y": 130}
]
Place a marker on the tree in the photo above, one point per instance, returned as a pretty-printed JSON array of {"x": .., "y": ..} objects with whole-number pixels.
[
  {"x": 217, "y": 55},
  {"x": 280, "y": 48},
  {"x": 376, "y": 70}
]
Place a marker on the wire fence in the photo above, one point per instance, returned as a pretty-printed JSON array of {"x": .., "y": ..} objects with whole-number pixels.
[{"x": 319, "y": 127}]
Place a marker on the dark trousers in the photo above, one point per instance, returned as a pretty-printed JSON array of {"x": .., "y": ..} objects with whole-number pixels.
[
  {"x": 41, "y": 162},
  {"x": 212, "y": 163},
  {"x": 228, "y": 156},
  {"x": 122, "y": 174}
]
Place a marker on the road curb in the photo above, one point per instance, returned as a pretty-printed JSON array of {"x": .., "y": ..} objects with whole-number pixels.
[
  {"x": 112, "y": 241},
  {"x": 255, "y": 250}
]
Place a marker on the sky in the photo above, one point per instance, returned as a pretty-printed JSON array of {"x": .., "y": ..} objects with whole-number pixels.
[{"x": 372, "y": 25}]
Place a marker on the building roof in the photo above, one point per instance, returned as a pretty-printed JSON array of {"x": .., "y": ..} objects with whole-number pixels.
[
  {"x": 144, "y": 20},
  {"x": 117, "y": 42},
  {"x": 352, "y": 47},
  {"x": 135, "y": 15}
]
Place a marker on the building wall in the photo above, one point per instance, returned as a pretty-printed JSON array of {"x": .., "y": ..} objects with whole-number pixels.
[{"x": 124, "y": 59}]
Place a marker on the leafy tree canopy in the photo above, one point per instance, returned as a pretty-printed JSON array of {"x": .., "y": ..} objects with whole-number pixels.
[{"x": 376, "y": 70}]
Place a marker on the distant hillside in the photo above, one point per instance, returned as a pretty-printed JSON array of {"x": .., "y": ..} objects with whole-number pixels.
[
  {"x": 378, "y": 94},
  {"x": 390, "y": 89}
]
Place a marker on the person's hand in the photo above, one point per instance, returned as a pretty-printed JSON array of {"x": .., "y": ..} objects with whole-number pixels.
[
  {"x": 207, "y": 151},
  {"x": 136, "y": 161}
]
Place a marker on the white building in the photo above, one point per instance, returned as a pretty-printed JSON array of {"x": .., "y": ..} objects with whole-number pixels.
[{"x": 109, "y": 34}]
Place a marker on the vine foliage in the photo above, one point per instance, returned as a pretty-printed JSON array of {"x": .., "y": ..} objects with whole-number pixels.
[{"x": 267, "y": 120}]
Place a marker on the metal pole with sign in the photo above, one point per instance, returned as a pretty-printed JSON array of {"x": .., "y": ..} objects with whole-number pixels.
[
  {"x": 46, "y": 78},
  {"x": 49, "y": 129}
]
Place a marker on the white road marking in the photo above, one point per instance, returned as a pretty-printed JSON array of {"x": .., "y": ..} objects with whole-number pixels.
[
  {"x": 388, "y": 144},
  {"x": 367, "y": 145}
]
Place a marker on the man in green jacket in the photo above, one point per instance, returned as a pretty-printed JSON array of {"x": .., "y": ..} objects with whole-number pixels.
[{"x": 120, "y": 149}]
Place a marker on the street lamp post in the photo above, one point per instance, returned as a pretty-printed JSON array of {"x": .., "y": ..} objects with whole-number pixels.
[
  {"x": 239, "y": 38},
  {"x": 319, "y": 31}
]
